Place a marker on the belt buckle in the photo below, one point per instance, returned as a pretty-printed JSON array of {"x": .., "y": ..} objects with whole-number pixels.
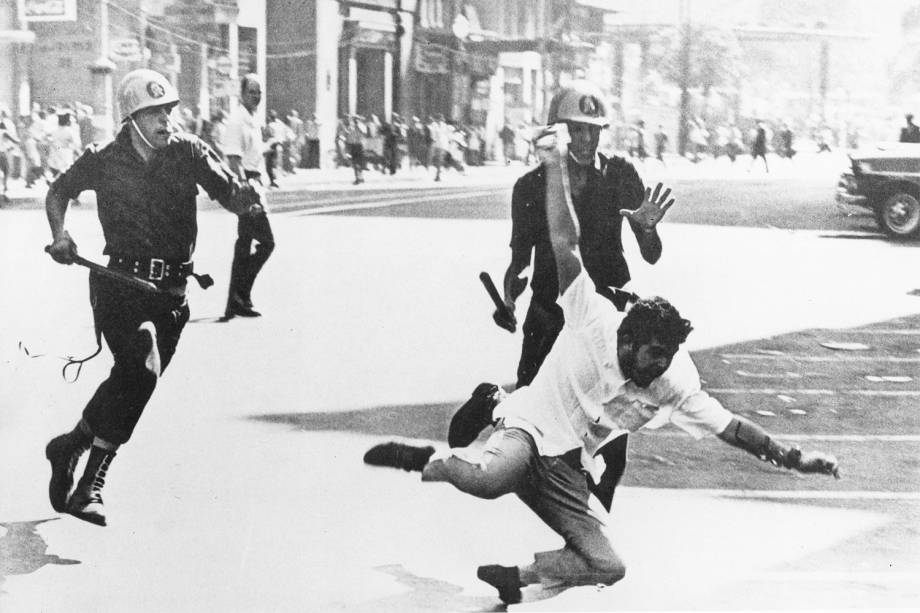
[{"x": 157, "y": 269}]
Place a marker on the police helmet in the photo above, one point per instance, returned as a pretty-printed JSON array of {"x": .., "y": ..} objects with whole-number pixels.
[
  {"x": 581, "y": 102},
  {"x": 144, "y": 88}
]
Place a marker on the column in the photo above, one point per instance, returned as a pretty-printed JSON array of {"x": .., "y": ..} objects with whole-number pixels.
[
  {"x": 352, "y": 81},
  {"x": 388, "y": 85}
]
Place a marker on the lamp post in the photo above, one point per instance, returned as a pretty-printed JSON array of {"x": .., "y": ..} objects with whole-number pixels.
[
  {"x": 682, "y": 128},
  {"x": 461, "y": 30}
]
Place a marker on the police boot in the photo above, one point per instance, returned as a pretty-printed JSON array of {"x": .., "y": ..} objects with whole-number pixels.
[
  {"x": 86, "y": 501},
  {"x": 64, "y": 452}
]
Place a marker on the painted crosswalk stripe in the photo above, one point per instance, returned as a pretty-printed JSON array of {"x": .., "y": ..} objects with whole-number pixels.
[
  {"x": 787, "y": 494},
  {"x": 837, "y": 438},
  {"x": 821, "y": 358},
  {"x": 815, "y": 392},
  {"x": 311, "y": 209}
]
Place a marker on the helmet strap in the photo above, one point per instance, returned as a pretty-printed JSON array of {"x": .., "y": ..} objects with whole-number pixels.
[{"x": 139, "y": 133}]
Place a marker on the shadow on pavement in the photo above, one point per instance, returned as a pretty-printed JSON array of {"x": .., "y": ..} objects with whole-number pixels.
[
  {"x": 427, "y": 594},
  {"x": 423, "y": 421},
  {"x": 23, "y": 550}
]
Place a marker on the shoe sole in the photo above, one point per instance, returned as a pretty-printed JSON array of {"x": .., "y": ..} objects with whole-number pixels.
[
  {"x": 59, "y": 505},
  {"x": 88, "y": 517}
]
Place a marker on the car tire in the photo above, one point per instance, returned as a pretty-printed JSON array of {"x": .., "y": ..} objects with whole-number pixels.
[{"x": 899, "y": 215}]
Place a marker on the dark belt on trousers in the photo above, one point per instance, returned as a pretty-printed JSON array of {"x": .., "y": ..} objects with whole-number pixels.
[{"x": 152, "y": 269}]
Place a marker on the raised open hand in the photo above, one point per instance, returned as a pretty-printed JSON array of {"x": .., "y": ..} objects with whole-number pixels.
[{"x": 652, "y": 208}]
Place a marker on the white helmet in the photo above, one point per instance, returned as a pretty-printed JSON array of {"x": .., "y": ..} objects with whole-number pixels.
[
  {"x": 582, "y": 102},
  {"x": 144, "y": 88}
]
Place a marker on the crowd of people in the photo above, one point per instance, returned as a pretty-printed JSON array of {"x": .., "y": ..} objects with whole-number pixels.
[
  {"x": 713, "y": 140},
  {"x": 369, "y": 142},
  {"x": 39, "y": 146}
]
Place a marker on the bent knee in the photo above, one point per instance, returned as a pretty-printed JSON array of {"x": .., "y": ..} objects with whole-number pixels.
[
  {"x": 608, "y": 570},
  {"x": 148, "y": 353}
]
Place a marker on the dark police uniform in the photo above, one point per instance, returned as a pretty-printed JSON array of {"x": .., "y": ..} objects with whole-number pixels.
[
  {"x": 149, "y": 219},
  {"x": 610, "y": 186}
]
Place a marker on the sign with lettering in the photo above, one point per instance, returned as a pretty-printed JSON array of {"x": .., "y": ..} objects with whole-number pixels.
[
  {"x": 430, "y": 59},
  {"x": 47, "y": 10}
]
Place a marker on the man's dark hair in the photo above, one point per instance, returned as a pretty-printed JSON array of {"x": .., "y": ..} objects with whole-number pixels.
[
  {"x": 247, "y": 79},
  {"x": 654, "y": 318}
]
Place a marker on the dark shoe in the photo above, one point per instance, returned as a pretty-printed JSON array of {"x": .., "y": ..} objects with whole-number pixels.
[
  {"x": 240, "y": 308},
  {"x": 473, "y": 416},
  {"x": 64, "y": 452},
  {"x": 86, "y": 501},
  {"x": 506, "y": 579},
  {"x": 398, "y": 455}
]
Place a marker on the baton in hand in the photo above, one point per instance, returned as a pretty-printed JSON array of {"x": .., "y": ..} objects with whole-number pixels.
[{"x": 115, "y": 275}]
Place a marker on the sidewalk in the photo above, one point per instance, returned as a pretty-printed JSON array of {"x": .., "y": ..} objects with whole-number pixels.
[
  {"x": 321, "y": 179},
  {"x": 675, "y": 168}
]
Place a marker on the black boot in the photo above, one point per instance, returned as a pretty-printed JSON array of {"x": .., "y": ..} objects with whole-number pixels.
[
  {"x": 399, "y": 455},
  {"x": 64, "y": 452},
  {"x": 506, "y": 579},
  {"x": 474, "y": 415},
  {"x": 86, "y": 501}
]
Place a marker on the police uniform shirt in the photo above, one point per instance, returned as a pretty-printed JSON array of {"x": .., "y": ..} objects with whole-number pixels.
[
  {"x": 611, "y": 184},
  {"x": 148, "y": 209},
  {"x": 581, "y": 399}
]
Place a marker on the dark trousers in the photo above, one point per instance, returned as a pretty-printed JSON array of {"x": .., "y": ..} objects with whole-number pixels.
[
  {"x": 312, "y": 149},
  {"x": 248, "y": 261},
  {"x": 119, "y": 311},
  {"x": 271, "y": 159}
]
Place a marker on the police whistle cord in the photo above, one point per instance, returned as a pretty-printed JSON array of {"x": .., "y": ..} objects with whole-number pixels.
[
  {"x": 204, "y": 281},
  {"x": 69, "y": 359}
]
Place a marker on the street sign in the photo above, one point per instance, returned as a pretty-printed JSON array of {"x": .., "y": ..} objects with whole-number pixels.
[
  {"x": 125, "y": 49},
  {"x": 47, "y": 10}
]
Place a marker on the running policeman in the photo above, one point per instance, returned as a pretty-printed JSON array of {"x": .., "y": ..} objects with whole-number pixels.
[
  {"x": 145, "y": 181},
  {"x": 608, "y": 373}
]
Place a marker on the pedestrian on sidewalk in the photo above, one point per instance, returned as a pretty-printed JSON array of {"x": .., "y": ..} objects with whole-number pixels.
[
  {"x": 354, "y": 145},
  {"x": 608, "y": 373},
  {"x": 243, "y": 148},
  {"x": 9, "y": 144},
  {"x": 146, "y": 181},
  {"x": 661, "y": 143},
  {"x": 64, "y": 142},
  {"x": 759, "y": 146}
]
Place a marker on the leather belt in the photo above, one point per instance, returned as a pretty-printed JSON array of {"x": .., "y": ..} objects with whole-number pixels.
[{"x": 152, "y": 269}]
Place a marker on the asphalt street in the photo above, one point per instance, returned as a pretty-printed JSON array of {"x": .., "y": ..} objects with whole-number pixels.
[{"x": 243, "y": 488}]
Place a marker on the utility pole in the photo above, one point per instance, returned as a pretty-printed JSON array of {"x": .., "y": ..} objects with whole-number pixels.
[
  {"x": 682, "y": 128},
  {"x": 102, "y": 70}
]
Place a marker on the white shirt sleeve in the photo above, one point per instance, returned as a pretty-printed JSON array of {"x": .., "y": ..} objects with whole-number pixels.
[
  {"x": 578, "y": 302},
  {"x": 684, "y": 403},
  {"x": 233, "y": 137}
]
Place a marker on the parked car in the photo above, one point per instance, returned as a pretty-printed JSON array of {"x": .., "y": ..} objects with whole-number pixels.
[{"x": 885, "y": 180}]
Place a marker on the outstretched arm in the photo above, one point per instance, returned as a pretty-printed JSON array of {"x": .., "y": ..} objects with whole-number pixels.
[
  {"x": 560, "y": 212},
  {"x": 747, "y": 435}
]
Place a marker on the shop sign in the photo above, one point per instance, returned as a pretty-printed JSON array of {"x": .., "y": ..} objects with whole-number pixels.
[
  {"x": 47, "y": 10},
  {"x": 430, "y": 59},
  {"x": 125, "y": 49}
]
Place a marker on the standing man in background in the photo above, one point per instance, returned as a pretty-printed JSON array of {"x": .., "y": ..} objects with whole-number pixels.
[{"x": 243, "y": 149}]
